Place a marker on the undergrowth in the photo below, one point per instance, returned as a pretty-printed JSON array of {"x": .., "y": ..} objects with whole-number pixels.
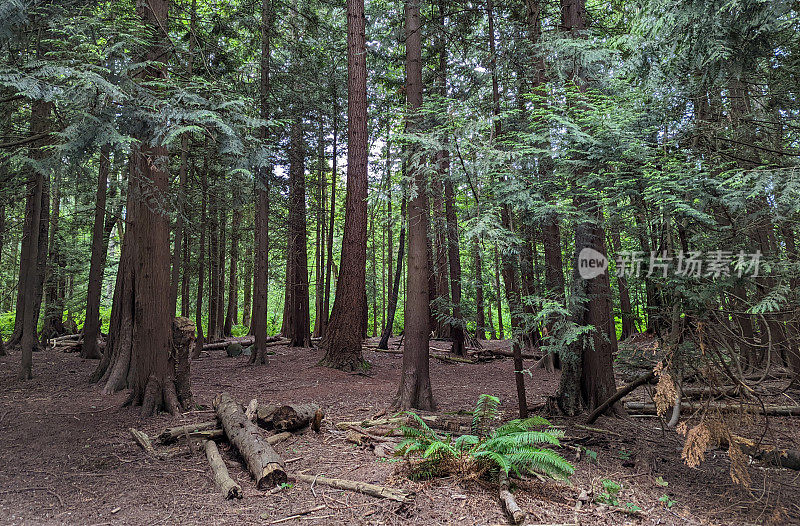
[{"x": 516, "y": 447}]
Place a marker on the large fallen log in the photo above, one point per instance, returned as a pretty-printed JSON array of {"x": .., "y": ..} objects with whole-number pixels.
[
  {"x": 622, "y": 391},
  {"x": 687, "y": 407},
  {"x": 373, "y": 490},
  {"x": 510, "y": 354},
  {"x": 225, "y": 483},
  {"x": 264, "y": 464},
  {"x": 512, "y": 509}
]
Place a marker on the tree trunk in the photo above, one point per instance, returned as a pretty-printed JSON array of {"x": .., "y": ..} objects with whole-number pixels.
[
  {"x": 248, "y": 286},
  {"x": 334, "y": 178},
  {"x": 182, "y": 171},
  {"x": 480, "y": 308},
  {"x": 440, "y": 268},
  {"x": 201, "y": 263},
  {"x": 32, "y": 262},
  {"x": 261, "y": 265},
  {"x": 624, "y": 294},
  {"x": 415, "y": 389},
  {"x": 91, "y": 327},
  {"x": 394, "y": 292},
  {"x": 213, "y": 261},
  {"x": 232, "y": 314},
  {"x": 223, "y": 239},
  {"x": 53, "y": 324},
  {"x": 342, "y": 341},
  {"x": 498, "y": 293},
  {"x": 297, "y": 321},
  {"x": 319, "y": 250}
]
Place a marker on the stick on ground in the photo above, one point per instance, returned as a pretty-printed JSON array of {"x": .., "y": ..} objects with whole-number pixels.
[{"x": 373, "y": 490}]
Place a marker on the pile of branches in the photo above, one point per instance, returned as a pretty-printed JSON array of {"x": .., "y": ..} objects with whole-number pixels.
[{"x": 244, "y": 428}]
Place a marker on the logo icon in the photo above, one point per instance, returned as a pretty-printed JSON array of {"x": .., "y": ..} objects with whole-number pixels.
[{"x": 591, "y": 263}]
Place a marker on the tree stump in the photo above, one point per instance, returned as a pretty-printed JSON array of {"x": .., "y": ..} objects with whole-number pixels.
[{"x": 183, "y": 335}]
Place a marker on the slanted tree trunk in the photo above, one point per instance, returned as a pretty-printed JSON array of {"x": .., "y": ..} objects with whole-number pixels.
[
  {"x": 415, "y": 389},
  {"x": 91, "y": 327},
  {"x": 232, "y": 314},
  {"x": 395, "y": 290},
  {"x": 342, "y": 341},
  {"x": 297, "y": 320},
  {"x": 261, "y": 238}
]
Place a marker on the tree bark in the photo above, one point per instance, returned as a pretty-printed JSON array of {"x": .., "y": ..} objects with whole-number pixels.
[
  {"x": 342, "y": 341},
  {"x": 415, "y": 389},
  {"x": 334, "y": 178},
  {"x": 261, "y": 265},
  {"x": 225, "y": 483},
  {"x": 297, "y": 321},
  {"x": 91, "y": 327},
  {"x": 480, "y": 321},
  {"x": 232, "y": 314},
  {"x": 32, "y": 262},
  {"x": 182, "y": 171},
  {"x": 201, "y": 263},
  {"x": 394, "y": 292}
]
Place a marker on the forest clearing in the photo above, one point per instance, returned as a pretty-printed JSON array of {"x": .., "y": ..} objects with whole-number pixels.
[
  {"x": 422, "y": 262},
  {"x": 94, "y": 473}
]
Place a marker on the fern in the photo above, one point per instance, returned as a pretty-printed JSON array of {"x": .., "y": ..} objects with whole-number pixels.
[{"x": 515, "y": 447}]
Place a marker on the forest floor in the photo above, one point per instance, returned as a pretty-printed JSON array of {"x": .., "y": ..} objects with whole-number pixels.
[{"x": 67, "y": 457}]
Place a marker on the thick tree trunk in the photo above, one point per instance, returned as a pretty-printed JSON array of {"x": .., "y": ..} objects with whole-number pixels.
[
  {"x": 415, "y": 389},
  {"x": 91, "y": 327},
  {"x": 297, "y": 321},
  {"x": 342, "y": 341},
  {"x": 261, "y": 265}
]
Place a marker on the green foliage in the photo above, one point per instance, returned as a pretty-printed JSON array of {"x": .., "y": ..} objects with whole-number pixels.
[
  {"x": 666, "y": 501},
  {"x": 609, "y": 494},
  {"x": 515, "y": 447}
]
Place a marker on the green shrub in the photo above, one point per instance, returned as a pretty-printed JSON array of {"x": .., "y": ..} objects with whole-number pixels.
[{"x": 512, "y": 448}]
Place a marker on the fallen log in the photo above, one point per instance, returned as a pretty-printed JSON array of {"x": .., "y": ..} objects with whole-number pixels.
[
  {"x": 280, "y": 437},
  {"x": 225, "y": 483},
  {"x": 296, "y": 416},
  {"x": 785, "y": 458},
  {"x": 512, "y": 509},
  {"x": 171, "y": 434},
  {"x": 622, "y": 391},
  {"x": 245, "y": 340},
  {"x": 264, "y": 464},
  {"x": 372, "y": 490},
  {"x": 686, "y": 407},
  {"x": 510, "y": 354}
]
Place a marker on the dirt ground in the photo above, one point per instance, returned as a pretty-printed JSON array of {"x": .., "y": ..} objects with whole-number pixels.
[{"x": 66, "y": 456}]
